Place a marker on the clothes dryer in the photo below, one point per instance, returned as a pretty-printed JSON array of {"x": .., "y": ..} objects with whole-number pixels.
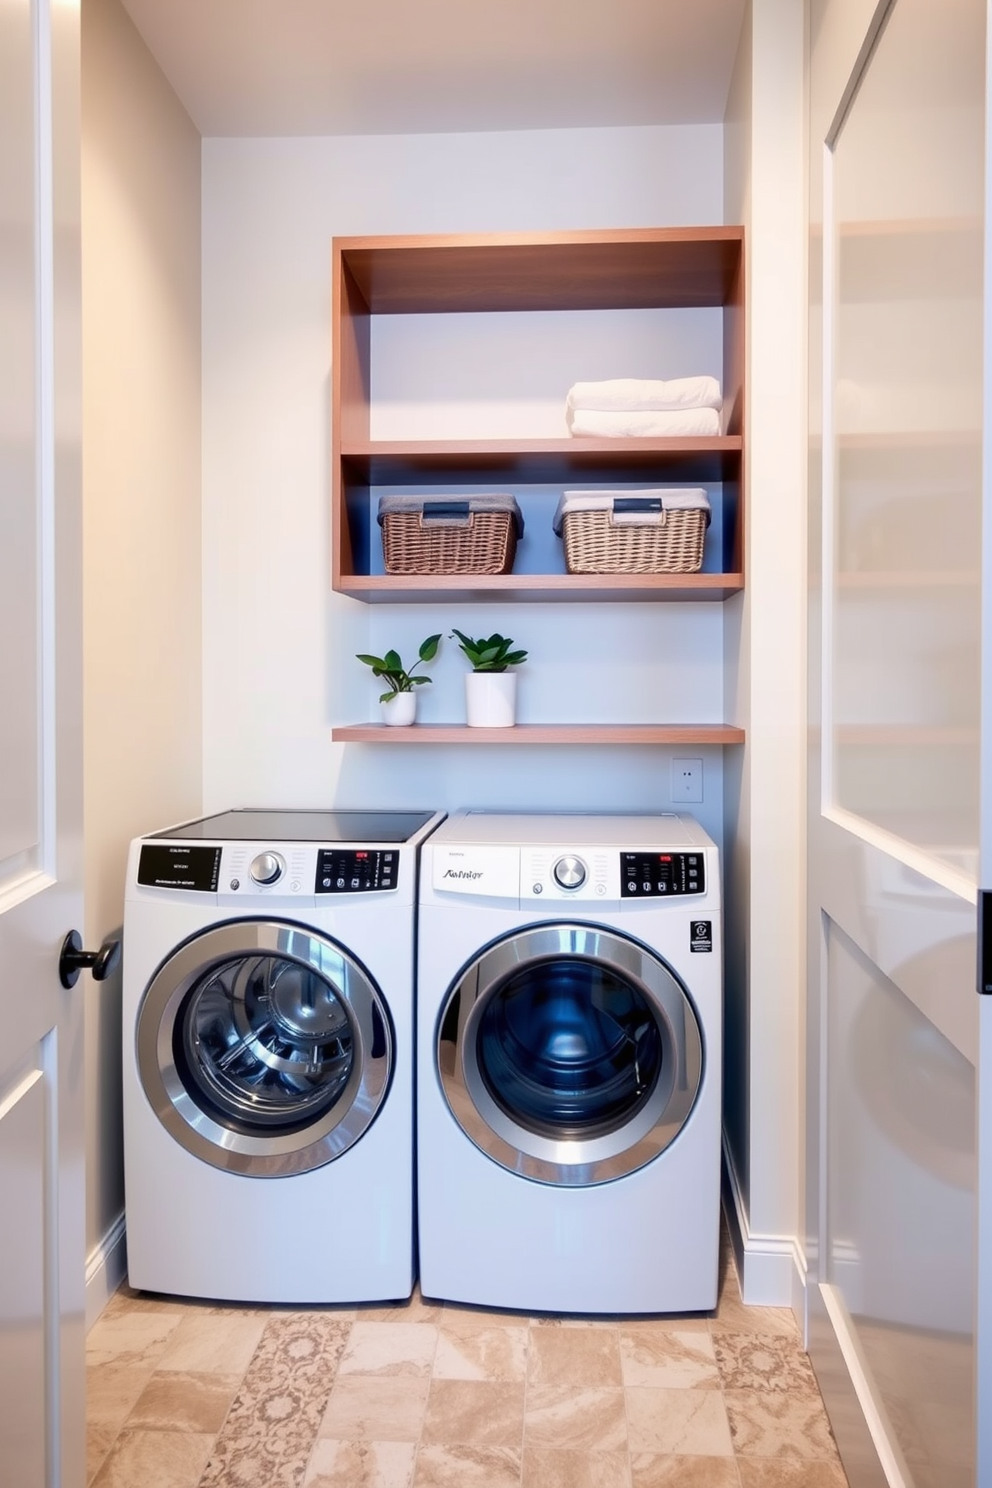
[
  {"x": 269, "y": 1055},
  {"x": 569, "y": 1063}
]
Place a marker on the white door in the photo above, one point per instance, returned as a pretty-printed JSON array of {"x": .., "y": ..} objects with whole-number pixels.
[
  {"x": 41, "y": 1064},
  {"x": 897, "y": 516}
]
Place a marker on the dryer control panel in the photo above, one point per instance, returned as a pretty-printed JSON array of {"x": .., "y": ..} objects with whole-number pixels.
[{"x": 652, "y": 875}]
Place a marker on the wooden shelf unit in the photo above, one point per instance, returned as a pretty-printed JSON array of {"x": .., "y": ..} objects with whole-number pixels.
[
  {"x": 542, "y": 733},
  {"x": 641, "y": 268}
]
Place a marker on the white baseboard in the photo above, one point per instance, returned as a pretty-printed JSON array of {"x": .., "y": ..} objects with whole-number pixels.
[
  {"x": 772, "y": 1268},
  {"x": 106, "y": 1268}
]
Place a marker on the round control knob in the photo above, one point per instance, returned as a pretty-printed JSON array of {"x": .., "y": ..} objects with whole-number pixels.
[
  {"x": 267, "y": 868},
  {"x": 570, "y": 873}
]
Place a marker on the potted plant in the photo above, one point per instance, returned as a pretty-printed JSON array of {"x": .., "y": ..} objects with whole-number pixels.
[
  {"x": 490, "y": 687},
  {"x": 399, "y": 701}
]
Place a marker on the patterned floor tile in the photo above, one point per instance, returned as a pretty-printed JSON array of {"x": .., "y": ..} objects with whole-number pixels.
[
  {"x": 763, "y": 1362},
  {"x": 765, "y": 1423},
  {"x": 271, "y": 1427}
]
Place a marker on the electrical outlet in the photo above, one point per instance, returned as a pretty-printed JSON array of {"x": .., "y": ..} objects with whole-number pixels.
[{"x": 687, "y": 780}]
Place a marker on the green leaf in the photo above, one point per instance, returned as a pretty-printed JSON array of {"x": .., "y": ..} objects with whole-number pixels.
[
  {"x": 419, "y": 681},
  {"x": 393, "y": 661},
  {"x": 515, "y": 658},
  {"x": 428, "y": 649},
  {"x": 372, "y": 661}
]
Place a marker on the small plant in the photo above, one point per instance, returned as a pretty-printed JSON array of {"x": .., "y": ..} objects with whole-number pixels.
[
  {"x": 492, "y": 655},
  {"x": 392, "y": 671}
]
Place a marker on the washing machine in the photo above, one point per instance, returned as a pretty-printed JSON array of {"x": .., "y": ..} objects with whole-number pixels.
[
  {"x": 569, "y": 1063},
  {"x": 269, "y": 1055}
]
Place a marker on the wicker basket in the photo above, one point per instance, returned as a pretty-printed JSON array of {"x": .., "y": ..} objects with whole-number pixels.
[
  {"x": 643, "y": 534},
  {"x": 449, "y": 535}
]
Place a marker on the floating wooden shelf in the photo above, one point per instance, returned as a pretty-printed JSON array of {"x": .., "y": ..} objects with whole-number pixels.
[
  {"x": 541, "y": 733},
  {"x": 617, "y": 588}
]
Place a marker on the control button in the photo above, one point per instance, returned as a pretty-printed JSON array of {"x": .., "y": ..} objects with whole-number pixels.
[
  {"x": 600, "y": 888},
  {"x": 570, "y": 873},
  {"x": 267, "y": 868},
  {"x": 646, "y": 887},
  {"x": 538, "y": 888},
  {"x": 295, "y": 886},
  {"x": 235, "y": 885},
  {"x": 339, "y": 883},
  {"x": 356, "y": 883},
  {"x": 632, "y": 888}
]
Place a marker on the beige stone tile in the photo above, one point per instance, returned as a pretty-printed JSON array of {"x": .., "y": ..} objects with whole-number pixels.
[
  {"x": 127, "y": 1299},
  {"x": 671, "y": 1360},
  {"x": 497, "y": 1317},
  {"x": 651, "y": 1470},
  {"x": 688, "y": 1423},
  {"x": 575, "y": 1419},
  {"x": 360, "y": 1464},
  {"x": 734, "y": 1316},
  {"x": 468, "y": 1348},
  {"x": 365, "y": 1407},
  {"x": 213, "y": 1343},
  {"x": 131, "y": 1337},
  {"x": 467, "y": 1467},
  {"x": 479, "y": 1413},
  {"x": 764, "y": 1423},
  {"x": 100, "y": 1438},
  {"x": 389, "y": 1348},
  {"x": 155, "y": 1459},
  {"x": 546, "y": 1468},
  {"x": 111, "y": 1391},
  {"x": 574, "y": 1356},
  {"x": 756, "y": 1361},
  {"x": 668, "y": 1322},
  {"x": 760, "y": 1472},
  {"x": 176, "y": 1401},
  {"x": 415, "y": 1309}
]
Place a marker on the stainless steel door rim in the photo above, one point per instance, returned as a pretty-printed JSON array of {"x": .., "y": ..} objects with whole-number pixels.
[
  {"x": 318, "y": 1047},
  {"x": 638, "y": 1129}
]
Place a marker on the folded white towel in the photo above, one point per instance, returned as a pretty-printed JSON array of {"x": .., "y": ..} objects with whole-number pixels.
[
  {"x": 645, "y": 395},
  {"x": 687, "y": 422}
]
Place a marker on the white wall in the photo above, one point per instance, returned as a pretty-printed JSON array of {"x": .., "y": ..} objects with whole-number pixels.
[
  {"x": 765, "y": 649},
  {"x": 141, "y": 518},
  {"x": 279, "y": 647}
]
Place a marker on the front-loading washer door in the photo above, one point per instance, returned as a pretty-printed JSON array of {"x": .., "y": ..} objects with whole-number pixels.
[
  {"x": 264, "y": 1048},
  {"x": 569, "y": 1054}
]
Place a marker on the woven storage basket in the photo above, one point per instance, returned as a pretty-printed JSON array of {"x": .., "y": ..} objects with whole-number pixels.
[
  {"x": 643, "y": 534},
  {"x": 449, "y": 535}
]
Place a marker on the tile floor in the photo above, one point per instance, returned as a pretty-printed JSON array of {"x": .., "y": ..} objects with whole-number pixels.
[{"x": 184, "y": 1394}]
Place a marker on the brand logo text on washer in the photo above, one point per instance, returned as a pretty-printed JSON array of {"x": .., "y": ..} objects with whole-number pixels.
[{"x": 461, "y": 873}]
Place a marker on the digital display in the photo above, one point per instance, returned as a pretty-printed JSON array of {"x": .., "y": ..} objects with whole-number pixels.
[{"x": 179, "y": 866}]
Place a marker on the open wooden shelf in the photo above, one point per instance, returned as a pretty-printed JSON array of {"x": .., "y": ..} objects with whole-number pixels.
[
  {"x": 541, "y": 733},
  {"x": 642, "y": 268}
]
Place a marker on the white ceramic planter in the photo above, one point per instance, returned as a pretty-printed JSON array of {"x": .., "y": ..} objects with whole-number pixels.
[
  {"x": 491, "y": 699},
  {"x": 400, "y": 710}
]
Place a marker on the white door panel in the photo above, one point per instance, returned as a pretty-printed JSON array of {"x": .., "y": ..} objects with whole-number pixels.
[
  {"x": 896, "y": 644},
  {"x": 41, "y": 1067}
]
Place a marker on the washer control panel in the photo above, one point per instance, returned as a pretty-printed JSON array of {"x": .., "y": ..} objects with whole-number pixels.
[
  {"x": 355, "y": 870},
  {"x": 652, "y": 875}
]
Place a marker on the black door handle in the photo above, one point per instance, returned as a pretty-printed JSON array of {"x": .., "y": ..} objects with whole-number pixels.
[{"x": 73, "y": 959}]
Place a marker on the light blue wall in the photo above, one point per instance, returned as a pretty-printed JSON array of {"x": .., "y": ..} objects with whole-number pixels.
[{"x": 279, "y": 645}]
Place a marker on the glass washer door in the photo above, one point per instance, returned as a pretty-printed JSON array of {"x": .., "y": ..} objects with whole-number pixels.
[
  {"x": 264, "y": 1048},
  {"x": 569, "y": 1054}
]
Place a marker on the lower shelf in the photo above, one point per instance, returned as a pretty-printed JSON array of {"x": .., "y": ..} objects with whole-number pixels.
[{"x": 541, "y": 733}]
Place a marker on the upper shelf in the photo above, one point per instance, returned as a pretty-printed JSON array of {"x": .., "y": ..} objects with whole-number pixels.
[{"x": 635, "y": 269}]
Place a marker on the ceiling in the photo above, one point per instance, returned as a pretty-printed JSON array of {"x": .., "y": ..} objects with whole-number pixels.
[{"x": 317, "y": 67}]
